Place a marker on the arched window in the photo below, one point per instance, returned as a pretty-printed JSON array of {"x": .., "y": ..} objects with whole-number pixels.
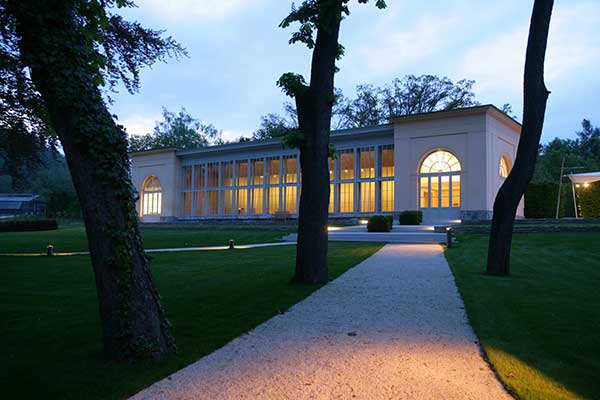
[
  {"x": 504, "y": 167},
  {"x": 439, "y": 181},
  {"x": 151, "y": 196},
  {"x": 440, "y": 161}
]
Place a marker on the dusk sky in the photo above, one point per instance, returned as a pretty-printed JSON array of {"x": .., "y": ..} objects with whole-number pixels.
[{"x": 237, "y": 53}]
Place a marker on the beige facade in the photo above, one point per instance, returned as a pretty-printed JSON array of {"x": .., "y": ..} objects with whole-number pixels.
[{"x": 447, "y": 164}]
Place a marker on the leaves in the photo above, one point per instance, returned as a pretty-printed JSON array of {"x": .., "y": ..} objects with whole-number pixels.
[
  {"x": 293, "y": 85},
  {"x": 180, "y": 130}
]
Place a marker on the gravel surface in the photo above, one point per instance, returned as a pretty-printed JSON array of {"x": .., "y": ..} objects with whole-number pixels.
[{"x": 393, "y": 327}]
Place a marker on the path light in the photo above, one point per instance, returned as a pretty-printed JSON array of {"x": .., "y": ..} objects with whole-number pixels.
[
  {"x": 449, "y": 236},
  {"x": 50, "y": 250},
  {"x": 363, "y": 221},
  {"x": 231, "y": 244}
]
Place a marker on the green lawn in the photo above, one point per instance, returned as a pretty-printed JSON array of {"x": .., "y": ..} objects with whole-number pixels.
[
  {"x": 540, "y": 327},
  {"x": 73, "y": 238},
  {"x": 50, "y": 329}
]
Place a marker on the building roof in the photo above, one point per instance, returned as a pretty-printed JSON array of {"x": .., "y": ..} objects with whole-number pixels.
[
  {"x": 343, "y": 133},
  {"x": 458, "y": 112}
]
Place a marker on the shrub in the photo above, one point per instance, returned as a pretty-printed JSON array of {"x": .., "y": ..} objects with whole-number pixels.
[
  {"x": 390, "y": 220},
  {"x": 28, "y": 224},
  {"x": 589, "y": 200},
  {"x": 410, "y": 217},
  {"x": 540, "y": 200},
  {"x": 379, "y": 223}
]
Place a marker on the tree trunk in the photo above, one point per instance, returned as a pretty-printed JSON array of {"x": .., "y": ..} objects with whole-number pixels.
[
  {"x": 534, "y": 107},
  {"x": 314, "y": 121},
  {"x": 54, "y": 46}
]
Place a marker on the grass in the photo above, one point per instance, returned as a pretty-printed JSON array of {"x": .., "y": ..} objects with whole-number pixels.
[
  {"x": 540, "y": 327},
  {"x": 73, "y": 238},
  {"x": 50, "y": 329}
]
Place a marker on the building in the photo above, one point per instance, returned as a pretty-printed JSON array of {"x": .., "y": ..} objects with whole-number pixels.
[
  {"x": 449, "y": 164},
  {"x": 17, "y": 204}
]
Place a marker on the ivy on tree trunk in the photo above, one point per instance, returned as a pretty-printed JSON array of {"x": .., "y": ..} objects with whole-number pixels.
[
  {"x": 534, "y": 107},
  {"x": 61, "y": 61}
]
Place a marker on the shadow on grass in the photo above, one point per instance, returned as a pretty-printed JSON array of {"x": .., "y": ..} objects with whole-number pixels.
[{"x": 539, "y": 326}]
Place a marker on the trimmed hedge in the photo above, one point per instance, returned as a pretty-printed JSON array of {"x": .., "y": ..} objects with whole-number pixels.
[
  {"x": 589, "y": 200},
  {"x": 380, "y": 223},
  {"x": 410, "y": 217},
  {"x": 540, "y": 200},
  {"x": 21, "y": 225}
]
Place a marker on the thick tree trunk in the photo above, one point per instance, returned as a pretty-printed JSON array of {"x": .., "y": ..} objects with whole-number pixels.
[
  {"x": 314, "y": 121},
  {"x": 53, "y": 46},
  {"x": 534, "y": 107}
]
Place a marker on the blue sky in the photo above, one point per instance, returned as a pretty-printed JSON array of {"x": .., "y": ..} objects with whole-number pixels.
[{"x": 237, "y": 52}]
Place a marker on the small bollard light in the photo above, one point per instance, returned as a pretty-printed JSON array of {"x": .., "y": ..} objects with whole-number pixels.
[
  {"x": 231, "y": 244},
  {"x": 449, "y": 236},
  {"x": 50, "y": 250}
]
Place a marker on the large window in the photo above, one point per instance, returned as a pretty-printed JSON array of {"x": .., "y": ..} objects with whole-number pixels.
[
  {"x": 361, "y": 180},
  {"x": 290, "y": 199},
  {"x": 346, "y": 164},
  {"x": 347, "y": 197},
  {"x": 290, "y": 166},
  {"x": 151, "y": 196},
  {"x": 213, "y": 175},
  {"x": 274, "y": 175},
  {"x": 273, "y": 199},
  {"x": 227, "y": 174},
  {"x": 241, "y": 173},
  {"x": 258, "y": 171},
  {"x": 387, "y": 161},
  {"x": 367, "y": 196},
  {"x": 439, "y": 181},
  {"x": 367, "y": 163},
  {"x": 387, "y": 196}
]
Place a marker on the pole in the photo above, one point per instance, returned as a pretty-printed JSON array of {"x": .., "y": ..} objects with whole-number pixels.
[
  {"x": 562, "y": 170},
  {"x": 574, "y": 198}
]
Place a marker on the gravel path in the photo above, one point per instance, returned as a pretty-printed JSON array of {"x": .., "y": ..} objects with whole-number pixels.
[{"x": 393, "y": 327}]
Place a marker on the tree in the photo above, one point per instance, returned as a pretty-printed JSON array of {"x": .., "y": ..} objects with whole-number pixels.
[
  {"x": 24, "y": 131},
  {"x": 179, "y": 130},
  {"x": 535, "y": 97},
  {"x": 365, "y": 110},
  {"x": 589, "y": 140},
  {"x": 54, "y": 184},
  {"x": 70, "y": 48},
  {"x": 273, "y": 126},
  {"x": 507, "y": 109},
  {"x": 314, "y": 102},
  {"x": 426, "y": 93}
]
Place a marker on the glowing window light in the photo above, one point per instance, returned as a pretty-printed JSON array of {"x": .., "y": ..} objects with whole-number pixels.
[{"x": 440, "y": 161}]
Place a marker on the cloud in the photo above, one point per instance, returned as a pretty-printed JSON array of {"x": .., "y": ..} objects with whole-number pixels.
[
  {"x": 497, "y": 62},
  {"x": 390, "y": 49},
  {"x": 193, "y": 9},
  {"x": 139, "y": 124}
]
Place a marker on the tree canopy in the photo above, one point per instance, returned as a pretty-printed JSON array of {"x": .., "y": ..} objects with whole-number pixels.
[
  {"x": 179, "y": 130},
  {"x": 581, "y": 154},
  {"x": 374, "y": 105},
  {"x": 120, "y": 49}
]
